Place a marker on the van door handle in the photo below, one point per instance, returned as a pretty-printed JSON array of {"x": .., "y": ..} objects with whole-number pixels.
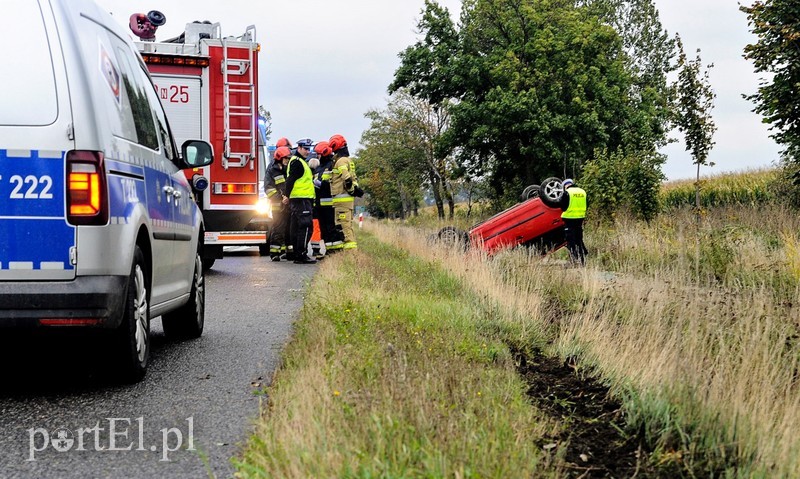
[{"x": 169, "y": 190}]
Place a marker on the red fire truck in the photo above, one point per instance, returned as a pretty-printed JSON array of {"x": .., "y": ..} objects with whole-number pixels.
[{"x": 208, "y": 84}]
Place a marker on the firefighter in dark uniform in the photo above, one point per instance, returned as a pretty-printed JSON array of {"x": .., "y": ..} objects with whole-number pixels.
[
  {"x": 573, "y": 203},
  {"x": 275, "y": 188},
  {"x": 322, "y": 180},
  {"x": 300, "y": 198},
  {"x": 344, "y": 188}
]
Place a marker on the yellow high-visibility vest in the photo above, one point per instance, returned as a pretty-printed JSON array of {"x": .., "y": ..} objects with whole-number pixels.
[
  {"x": 577, "y": 204},
  {"x": 304, "y": 186}
]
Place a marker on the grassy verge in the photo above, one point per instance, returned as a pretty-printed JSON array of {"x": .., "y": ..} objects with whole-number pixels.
[
  {"x": 396, "y": 370},
  {"x": 696, "y": 328}
]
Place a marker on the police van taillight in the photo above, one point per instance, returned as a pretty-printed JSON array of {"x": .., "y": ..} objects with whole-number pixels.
[{"x": 87, "y": 193}]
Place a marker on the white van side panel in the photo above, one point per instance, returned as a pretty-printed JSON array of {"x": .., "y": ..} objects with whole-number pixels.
[{"x": 38, "y": 241}]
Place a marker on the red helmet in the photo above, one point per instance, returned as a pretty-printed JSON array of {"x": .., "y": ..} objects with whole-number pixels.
[
  {"x": 282, "y": 152},
  {"x": 283, "y": 142},
  {"x": 336, "y": 142},
  {"x": 323, "y": 148}
]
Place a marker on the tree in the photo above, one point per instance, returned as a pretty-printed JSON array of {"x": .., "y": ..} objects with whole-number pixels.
[
  {"x": 537, "y": 86},
  {"x": 776, "y": 23},
  {"x": 695, "y": 100},
  {"x": 267, "y": 119},
  {"x": 403, "y": 141},
  {"x": 650, "y": 52}
]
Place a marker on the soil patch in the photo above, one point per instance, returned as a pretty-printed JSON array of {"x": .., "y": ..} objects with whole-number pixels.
[{"x": 593, "y": 442}]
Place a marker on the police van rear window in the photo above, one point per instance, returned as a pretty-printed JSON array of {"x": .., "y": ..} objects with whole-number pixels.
[{"x": 28, "y": 93}]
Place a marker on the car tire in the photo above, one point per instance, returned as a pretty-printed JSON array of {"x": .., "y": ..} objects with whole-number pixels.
[
  {"x": 187, "y": 321},
  {"x": 133, "y": 335},
  {"x": 450, "y": 236},
  {"x": 530, "y": 191},
  {"x": 551, "y": 191}
]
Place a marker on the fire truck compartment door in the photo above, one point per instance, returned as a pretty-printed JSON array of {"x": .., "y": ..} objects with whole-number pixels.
[{"x": 181, "y": 97}]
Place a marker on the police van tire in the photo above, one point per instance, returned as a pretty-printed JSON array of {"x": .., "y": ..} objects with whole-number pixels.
[
  {"x": 187, "y": 321},
  {"x": 133, "y": 334},
  {"x": 263, "y": 250}
]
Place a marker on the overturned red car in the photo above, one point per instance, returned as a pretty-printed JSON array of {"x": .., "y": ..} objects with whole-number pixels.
[{"x": 535, "y": 222}]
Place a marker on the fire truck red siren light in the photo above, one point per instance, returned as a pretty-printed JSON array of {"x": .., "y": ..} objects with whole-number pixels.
[
  {"x": 145, "y": 26},
  {"x": 175, "y": 60}
]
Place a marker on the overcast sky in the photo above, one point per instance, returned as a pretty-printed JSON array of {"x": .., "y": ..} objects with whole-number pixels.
[{"x": 324, "y": 63}]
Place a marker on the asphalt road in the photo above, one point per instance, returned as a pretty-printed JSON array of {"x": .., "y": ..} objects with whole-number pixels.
[{"x": 202, "y": 394}]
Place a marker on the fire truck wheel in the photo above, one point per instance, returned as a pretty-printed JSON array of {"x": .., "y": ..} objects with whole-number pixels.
[
  {"x": 187, "y": 321},
  {"x": 530, "y": 191},
  {"x": 132, "y": 338},
  {"x": 551, "y": 191},
  {"x": 208, "y": 263},
  {"x": 263, "y": 250}
]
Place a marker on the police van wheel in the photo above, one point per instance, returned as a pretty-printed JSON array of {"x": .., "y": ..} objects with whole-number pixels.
[
  {"x": 187, "y": 321},
  {"x": 133, "y": 335},
  {"x": 263, "y": 250}
]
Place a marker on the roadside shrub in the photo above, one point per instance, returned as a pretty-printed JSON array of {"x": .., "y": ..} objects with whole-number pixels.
[{"x": 619, "y": 181}]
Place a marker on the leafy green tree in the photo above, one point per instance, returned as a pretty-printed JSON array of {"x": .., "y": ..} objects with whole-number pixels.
[
  {"x": 404, "y": 135},
  {"x": 619, "y": 181},
  {"x": 537, "y": 86},
  {"x": 650, "y": 51},
  {"x": 776, "y": 23},
  {"x": 695, "y": 100}
]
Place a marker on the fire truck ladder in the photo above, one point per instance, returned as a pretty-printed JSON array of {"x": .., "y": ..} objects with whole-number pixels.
[{"x": 238, "y": 78}]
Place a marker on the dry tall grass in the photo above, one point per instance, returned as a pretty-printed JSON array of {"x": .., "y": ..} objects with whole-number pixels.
[{"x": 695, "y": 326}]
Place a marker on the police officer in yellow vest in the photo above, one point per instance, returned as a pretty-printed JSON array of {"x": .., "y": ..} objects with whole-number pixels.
[
  {"x": 344, "y": 189},
  {"x": 573, "y": 203},
  {"x": 300, "y": 197}
]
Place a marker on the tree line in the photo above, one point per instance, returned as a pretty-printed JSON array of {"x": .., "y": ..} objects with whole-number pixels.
[{"x": 519, "y": 90}]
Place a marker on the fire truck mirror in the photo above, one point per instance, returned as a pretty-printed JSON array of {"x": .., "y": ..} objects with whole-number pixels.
[{"x": 197, "y": 153}]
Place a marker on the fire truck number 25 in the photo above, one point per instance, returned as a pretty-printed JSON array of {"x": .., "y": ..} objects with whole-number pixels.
[{"x": 174, "y": 93}]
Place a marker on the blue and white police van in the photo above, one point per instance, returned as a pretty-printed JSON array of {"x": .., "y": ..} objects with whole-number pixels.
[{"x": 99, "y": 229}]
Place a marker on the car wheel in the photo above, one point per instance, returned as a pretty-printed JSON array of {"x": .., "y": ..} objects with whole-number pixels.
[
  {"x": 530, "y": 191},
  {"x": 551, "y": 192},
  {"x": 133, "y": 335},
  {"x": 451, "y": 236},
  {"x": 187, "y": 321},
  {"x": 263, "y": 250}
]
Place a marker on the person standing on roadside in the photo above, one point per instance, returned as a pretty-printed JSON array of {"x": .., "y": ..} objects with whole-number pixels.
[
  {"x": 300, "y": 198},
  {"x": 573, "y": 203},
  {"x": 275, "y": 188},
  {"x": 344, "y": 188},
  {"x": 322, "y": 180}
]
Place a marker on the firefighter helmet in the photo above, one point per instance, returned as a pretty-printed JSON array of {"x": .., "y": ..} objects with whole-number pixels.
[
  {"x": 282, "y": 152},
  {"x": 284, "y": 142},
  {"x": 337, "y": 142},
  {"x": 323, "y": 148}
]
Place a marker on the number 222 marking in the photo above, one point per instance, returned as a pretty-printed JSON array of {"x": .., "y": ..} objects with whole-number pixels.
[{"x": 31, "y": 194}]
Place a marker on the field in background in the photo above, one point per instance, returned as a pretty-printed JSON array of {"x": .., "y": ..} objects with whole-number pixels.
[{"x": 693, "y": 323}]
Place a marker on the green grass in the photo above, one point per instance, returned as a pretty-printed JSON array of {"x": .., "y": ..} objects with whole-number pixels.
[{"x": 391, "y": 373}]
